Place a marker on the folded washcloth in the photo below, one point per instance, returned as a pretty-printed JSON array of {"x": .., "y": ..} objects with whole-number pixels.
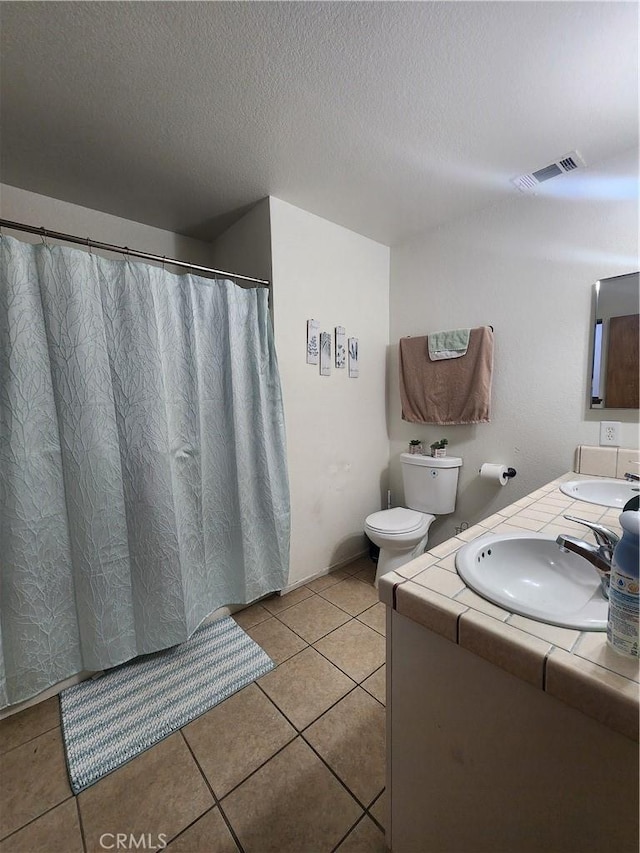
[{"x": 450, "y": 344}]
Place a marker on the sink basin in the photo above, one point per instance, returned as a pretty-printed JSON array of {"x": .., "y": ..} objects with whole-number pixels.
[
  {"x": 614, "y": 493},
  {"x": 527, "y": 573}
]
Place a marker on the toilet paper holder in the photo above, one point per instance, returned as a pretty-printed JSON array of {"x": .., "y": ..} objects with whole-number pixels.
[{"x": 510, "y": 472}]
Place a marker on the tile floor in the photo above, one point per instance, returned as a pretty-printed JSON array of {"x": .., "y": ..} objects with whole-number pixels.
[{"x": 293, "y": 762}]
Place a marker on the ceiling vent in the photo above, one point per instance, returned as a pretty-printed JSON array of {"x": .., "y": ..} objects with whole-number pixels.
[{"x": 568, "y": 163}]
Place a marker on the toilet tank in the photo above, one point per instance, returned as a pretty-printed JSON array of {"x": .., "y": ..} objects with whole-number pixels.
[{"x": 430, "y": 484}]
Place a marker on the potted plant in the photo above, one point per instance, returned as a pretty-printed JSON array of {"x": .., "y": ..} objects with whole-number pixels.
[
  {"x": 439, "y": 448},
  {"x": 415, "y": 446}
]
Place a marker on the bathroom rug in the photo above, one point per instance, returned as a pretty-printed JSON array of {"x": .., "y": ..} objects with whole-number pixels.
[{"x": 109, "y": 720}]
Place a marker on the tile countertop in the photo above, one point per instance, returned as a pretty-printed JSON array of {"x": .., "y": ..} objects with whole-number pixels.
[{"x": 579, "y": 668}]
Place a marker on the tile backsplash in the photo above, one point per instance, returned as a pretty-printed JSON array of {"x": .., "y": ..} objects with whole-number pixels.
[
  {"x": 628, "y": 461},
  {"x": 606, "y": 461}
]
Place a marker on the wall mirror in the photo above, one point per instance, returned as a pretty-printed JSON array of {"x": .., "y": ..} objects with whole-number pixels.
[{"x": 614, "y": 343}]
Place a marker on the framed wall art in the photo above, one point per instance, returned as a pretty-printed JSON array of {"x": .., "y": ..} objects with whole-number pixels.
[
  {"x": 325, "y": 353},
  {"x": 353, "y": 358},
  {"x": 313, "y": 341},
  {"x": 341, "y": 347}
]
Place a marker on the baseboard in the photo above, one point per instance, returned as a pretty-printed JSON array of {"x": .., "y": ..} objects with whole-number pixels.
[{"x": 332, "y": 568}]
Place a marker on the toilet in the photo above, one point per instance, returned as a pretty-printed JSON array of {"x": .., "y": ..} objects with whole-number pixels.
[{"x": 401, "y": 533}]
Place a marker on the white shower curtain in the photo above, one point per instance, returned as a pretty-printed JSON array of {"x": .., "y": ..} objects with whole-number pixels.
[{"x": 143, "y": 477}]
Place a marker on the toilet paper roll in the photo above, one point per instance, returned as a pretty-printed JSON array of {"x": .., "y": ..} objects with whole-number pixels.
[{"x": 494, "y": 472}]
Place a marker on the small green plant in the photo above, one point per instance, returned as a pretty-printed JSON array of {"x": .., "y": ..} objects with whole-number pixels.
[
  {"x": 415, "y": 442},
  {"x": 439, "y": 445}
]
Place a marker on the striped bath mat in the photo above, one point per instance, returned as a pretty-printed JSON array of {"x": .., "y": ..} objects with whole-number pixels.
[{"x": 108, "y": 721}]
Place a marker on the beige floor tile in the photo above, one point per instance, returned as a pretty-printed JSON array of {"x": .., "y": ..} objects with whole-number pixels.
[
  {"x": 278, "y": 641},
  {"x": 291, "y": 805},
  {"x": 354, "y": 648},
  {"x": 351, "y": 595},
  {"x": 379, "y": 809},
  {"x": 27, "y": 724},
  {"x": 376, "y": 684},
  {"x": 57, "y": 831},
  {"x": 278, "y": 603},
  {"x": 233, "y": 739},
  {"x": 251, "y": 616},
  {"x": 209, "y": 834},
  {"x": 34, "y": 780},
  {"x": 314, "y": 617},
  {"x": 367, "y": 575},
  {"x": 305, "y": 686},
  {"x": 364, "y": 838},
  {"x": 327, "y": 580},
  {"x": 159, "y": 792},
  {"x": 350, "y": 737},
  {"x": 356, "y": 565},
  {"x": 375, "y": 617}
]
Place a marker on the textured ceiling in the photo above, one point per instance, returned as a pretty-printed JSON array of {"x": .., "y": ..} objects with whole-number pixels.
[{"x": 388, "y": 118}]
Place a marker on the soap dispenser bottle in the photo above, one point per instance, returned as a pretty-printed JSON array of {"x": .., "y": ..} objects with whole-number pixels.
[{"x": 622, "y": 625}]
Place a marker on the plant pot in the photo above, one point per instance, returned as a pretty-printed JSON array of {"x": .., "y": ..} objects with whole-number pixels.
[
  {"x": 439, "y": 452},
  {"x": 415, "y": 448}
]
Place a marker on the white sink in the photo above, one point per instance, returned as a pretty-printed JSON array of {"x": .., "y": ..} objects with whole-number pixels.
[
  {"x": 527, "y": 573},
  {"x": 614, "y": 493}
]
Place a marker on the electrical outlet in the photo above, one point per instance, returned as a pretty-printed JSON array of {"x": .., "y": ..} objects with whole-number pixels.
[{"x": 610, "y": 433}]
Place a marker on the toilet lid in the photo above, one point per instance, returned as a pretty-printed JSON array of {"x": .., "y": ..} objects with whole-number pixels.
[{"x": 396, "y": 520}]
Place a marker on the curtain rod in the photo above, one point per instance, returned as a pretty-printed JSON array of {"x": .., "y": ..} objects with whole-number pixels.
[{"x": 124, "y": 250}]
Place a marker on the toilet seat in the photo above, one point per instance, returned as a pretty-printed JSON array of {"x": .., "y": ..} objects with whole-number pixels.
[{"x": 397, "y": 520}]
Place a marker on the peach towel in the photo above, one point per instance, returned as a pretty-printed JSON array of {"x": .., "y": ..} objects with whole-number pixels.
[{"x": 450, "y": 391}]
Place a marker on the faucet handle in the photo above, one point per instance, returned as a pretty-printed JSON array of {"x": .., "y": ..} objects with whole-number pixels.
[{"x": 604, "y": 537}]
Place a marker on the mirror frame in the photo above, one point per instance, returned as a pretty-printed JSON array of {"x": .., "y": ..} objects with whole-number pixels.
[{"x": 598, "y": 340}]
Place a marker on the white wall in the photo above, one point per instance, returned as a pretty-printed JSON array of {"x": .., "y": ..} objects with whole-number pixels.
[
  {"x": 526, "y": 266},
  {"x": 39, "y": 210},
  {"x": 245, "y": 247},
  {"x": 336, "y": 430}
]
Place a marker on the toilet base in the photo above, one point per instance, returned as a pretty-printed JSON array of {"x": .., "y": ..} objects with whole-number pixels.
[{"x": 389, "y": 561}]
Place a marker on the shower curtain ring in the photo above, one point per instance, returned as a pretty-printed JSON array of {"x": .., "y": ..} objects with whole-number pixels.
[
  {"x": 89, "y": 246},
  {"x": 43, "y": 236}
]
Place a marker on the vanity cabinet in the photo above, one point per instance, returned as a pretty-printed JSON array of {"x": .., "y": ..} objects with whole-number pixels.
[
  {"x": 479, "y": 761},
  {"x": 506, "y": 734}
]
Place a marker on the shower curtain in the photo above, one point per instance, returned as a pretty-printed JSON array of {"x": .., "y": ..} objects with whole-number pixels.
[{"x": 143, "y": 477}]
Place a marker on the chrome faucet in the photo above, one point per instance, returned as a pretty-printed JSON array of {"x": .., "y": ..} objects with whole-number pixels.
[
  {"x": 599, "y": 555},
  {"x": 633, "y": 478}
]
